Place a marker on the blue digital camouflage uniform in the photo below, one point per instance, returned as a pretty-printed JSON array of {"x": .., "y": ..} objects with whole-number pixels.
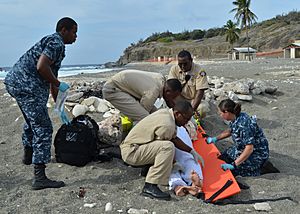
[
  {"x": 245, "y": 131},
  {"x": 31, "y": 92}
]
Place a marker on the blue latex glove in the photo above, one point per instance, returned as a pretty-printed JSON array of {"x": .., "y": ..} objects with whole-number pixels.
[
  {"x": 210, "y": 140},
  {"x": 63, "y": 86},
  {"x": 64, "y": 118},
  {"x": 226, "y": 166}
]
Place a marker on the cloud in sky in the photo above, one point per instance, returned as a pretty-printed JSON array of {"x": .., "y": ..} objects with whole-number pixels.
[{"x": 106, "y": 28}]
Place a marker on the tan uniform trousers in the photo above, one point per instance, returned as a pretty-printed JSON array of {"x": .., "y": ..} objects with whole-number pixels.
[
  {"x": 159, "y": 153},
  {"x": 124, "y": 102}
]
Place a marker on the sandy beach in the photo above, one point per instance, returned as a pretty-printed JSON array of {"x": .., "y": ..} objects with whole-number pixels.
[{"x": 121, "y": 185}]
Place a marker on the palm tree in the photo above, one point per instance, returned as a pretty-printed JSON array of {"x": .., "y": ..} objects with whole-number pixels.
[
  {"x": 232, "y": 32},
  {"x": 244, "y": 16}
]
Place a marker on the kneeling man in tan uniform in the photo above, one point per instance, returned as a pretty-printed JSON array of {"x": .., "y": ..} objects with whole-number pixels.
[
  {"x": 134, "y": 92},
  {"x": 152, "y": 142}
]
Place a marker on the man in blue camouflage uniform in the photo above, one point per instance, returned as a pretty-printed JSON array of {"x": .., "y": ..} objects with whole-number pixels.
[
  {"x": 250, "y": 150},
  {"x": 29, "y": 82}
]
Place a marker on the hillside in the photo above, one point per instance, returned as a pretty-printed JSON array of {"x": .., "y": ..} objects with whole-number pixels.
[{"x": 268, "y": 35}]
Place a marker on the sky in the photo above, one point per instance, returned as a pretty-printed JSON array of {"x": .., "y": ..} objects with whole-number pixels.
[{"x": 107, "y": 27}]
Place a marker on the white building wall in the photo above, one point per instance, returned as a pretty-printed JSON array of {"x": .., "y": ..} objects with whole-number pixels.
[{"x": 293, "y": 55}]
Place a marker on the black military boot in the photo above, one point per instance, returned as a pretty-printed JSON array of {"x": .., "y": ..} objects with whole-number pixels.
[
  {"x": 27, "y": 156},
  {"x": 152, "y": 191},
  {"x": 40, "y": 180}
]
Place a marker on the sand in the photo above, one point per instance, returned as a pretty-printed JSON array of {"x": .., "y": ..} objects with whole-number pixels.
[{"x": 121, "y": 185}]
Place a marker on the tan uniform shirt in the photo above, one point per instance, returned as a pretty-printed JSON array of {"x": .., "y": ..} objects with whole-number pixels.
[
  {"x": 144, "y": 86},
  {"x": 159, "y": 125},
  {"x": 197, "y": 81}
]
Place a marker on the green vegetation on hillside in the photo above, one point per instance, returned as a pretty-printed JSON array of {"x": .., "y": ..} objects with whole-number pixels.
[
  {"x": 266, "y": 36},
  {"x": 198, "y": 34}
]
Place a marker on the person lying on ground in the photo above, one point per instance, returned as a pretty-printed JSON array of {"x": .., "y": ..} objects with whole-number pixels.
[
  {"x": 250, "y": 150},
  {"x": 186, "y": 176},
  {"x": 152, "y": 141}
]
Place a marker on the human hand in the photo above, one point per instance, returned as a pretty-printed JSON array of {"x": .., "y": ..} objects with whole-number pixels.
[
  {"x": 64, "y": 118},
  {"x": 197, "y": 157},
  {"x": 210, "y": 140},
  {"x": 63, "y": 86},
  {"x": 226, "y": 166}
]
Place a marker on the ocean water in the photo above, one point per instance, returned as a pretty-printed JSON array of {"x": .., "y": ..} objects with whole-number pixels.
[{"x": 70, "y": 70}]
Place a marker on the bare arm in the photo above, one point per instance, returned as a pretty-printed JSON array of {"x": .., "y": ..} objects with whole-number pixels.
[
  {"x": 245, "y": 154},
  {"x": 54, "y": 91},
  {"x": 44, "y": 69},
  {"x": 181, "y": 145},
  {"x": 224, "y": 134},
  {"x": 197, "y": 100}
]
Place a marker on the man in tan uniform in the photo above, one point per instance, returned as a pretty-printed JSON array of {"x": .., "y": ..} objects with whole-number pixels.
[
  {"x": 192, "y": 77},
  {"x": 152, "y": 141},
  {"x": 134, "y": 92}
]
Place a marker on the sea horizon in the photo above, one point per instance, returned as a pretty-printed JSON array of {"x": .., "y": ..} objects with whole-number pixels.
[{"x": 70, "y": 70}]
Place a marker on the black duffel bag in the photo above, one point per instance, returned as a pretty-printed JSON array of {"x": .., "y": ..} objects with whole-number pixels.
[{"x": 76, "y": 143}]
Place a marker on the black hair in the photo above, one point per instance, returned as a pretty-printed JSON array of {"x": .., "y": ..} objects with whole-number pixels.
[
  {"x": 65, "y": 22},
  {"x": 174, "y": 84},
  {"x": 230, "y": 106},
  {"x": 185, "y": 53},
  {"x": 183, "y": 106}
]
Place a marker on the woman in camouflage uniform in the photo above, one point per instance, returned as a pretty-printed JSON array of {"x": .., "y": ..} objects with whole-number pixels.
[{"x": 250, "y": 149}]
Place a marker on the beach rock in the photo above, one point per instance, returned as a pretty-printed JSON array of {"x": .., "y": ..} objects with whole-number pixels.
[
  {"x": 233, "y": 96},
  {"x": 102, "y": 106},
  {"x": 262, "y": 206},
  {"x": 219, "y": 92},
  {"x": 107, "y": 114},
  {"x": 203, "y": 108},
  {"x": 108, "y": 207},
  {"x": 79, "y": 110},
  {"x": 209, "y": 95},
  {"x": 74, "y": 97},
  {"x": 237, "y": 87},
  {"x": 218, "y": 83},
  {"x": 222, "y": 98},
  {"x": 256, "y": 91},
  {"x": 90, "y": 205},
  {"x": 92, "y": 108},
  {"x": 89, "y": 101},
  {"x": 137, "y": 211},
  {"x": 110, "y": 130},
  {"x": 244, "y": 97},
  {"x": 271, "y": 89},
  {"x": 249, "y": 82},
  {"x": 70, "y": 104}
]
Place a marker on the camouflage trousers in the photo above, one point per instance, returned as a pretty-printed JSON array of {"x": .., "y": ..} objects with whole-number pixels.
[
  {"x": 37, "y": 129},
  {"x": 250, "y": 167}
]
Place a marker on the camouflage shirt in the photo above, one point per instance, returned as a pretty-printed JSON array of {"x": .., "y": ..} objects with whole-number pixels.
[
  {"x": 24, "y": 75},
  {"x": 245, "y": 131}
]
